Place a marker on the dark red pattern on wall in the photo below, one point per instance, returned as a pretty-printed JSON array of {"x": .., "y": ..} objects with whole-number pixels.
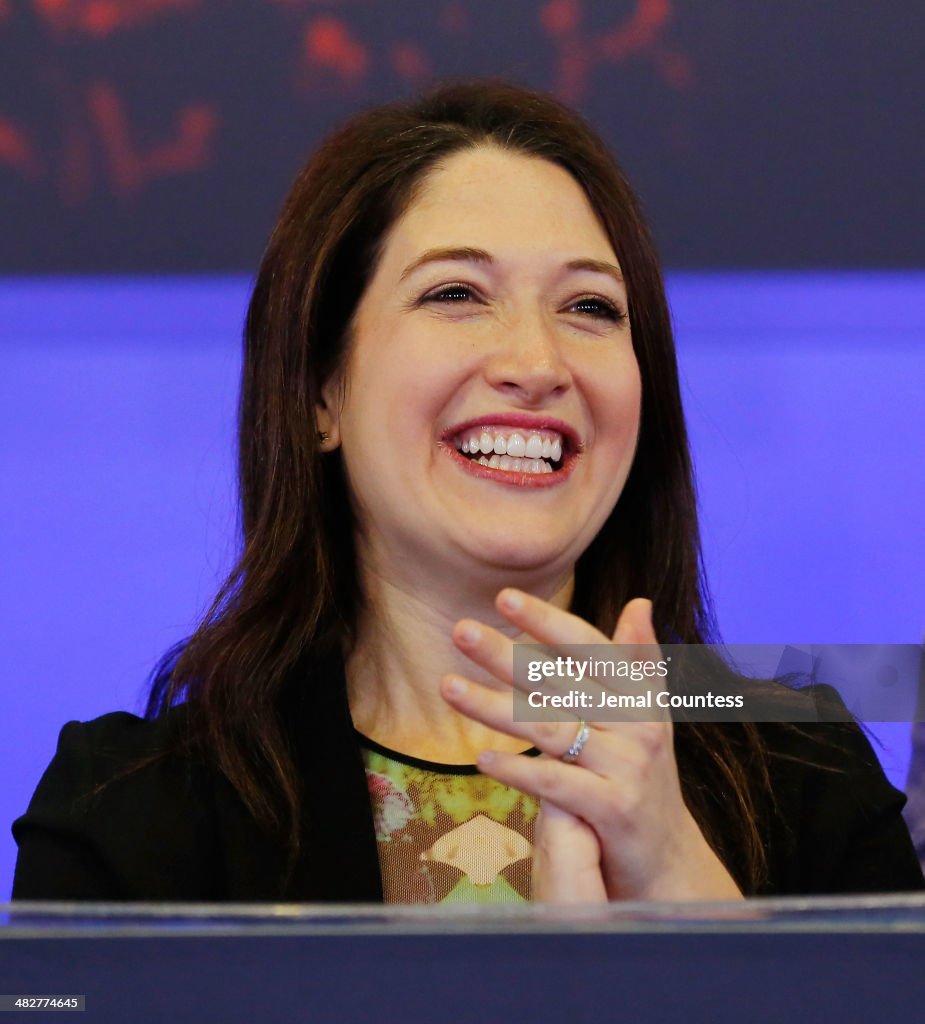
[
  {"x": 125, "y": 116},
  {"x": 329, "y": 54}
]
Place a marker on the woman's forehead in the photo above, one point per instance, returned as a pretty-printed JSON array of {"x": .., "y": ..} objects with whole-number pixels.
[{"x": 495, "y": 201}]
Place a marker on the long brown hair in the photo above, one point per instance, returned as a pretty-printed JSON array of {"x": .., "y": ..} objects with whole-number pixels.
[{"x": 293, "y": 594}]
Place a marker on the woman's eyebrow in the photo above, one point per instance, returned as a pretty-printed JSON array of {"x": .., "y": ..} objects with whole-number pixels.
[
  {"x": 435, "y": 255},
  {"x": 598, "y": 267},
  {"x": 469, "y": 254}
]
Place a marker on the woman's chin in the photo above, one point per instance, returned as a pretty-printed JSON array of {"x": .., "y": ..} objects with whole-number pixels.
[{"x": 521, "y": 554}]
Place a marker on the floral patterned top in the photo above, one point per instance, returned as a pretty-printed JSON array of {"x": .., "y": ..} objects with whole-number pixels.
[{"x": 447, "y": 833}]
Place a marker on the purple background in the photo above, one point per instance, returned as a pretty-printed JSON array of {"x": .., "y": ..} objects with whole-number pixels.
[{"x": 803, "y": 395}]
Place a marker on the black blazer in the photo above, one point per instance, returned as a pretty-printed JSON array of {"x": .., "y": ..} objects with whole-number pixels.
[{"x": 176, "y": 829}]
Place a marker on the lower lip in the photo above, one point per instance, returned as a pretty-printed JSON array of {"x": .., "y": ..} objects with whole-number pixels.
[{"x": 505, "y": 476}]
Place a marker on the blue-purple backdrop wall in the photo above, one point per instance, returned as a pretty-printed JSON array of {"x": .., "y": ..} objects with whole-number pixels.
[{"x": 803, "y": 394}]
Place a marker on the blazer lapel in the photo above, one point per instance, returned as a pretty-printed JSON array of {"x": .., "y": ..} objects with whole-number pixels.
[{"x": 339, "y": 860}]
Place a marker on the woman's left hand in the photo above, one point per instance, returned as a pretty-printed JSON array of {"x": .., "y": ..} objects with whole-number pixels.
[{"x": 623, "y": 787}]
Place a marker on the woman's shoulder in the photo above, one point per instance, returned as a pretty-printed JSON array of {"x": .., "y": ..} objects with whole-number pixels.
[
  {"x": 837, "y": 824},
  {"x": 829, "y": 747},
  {"x": 92, "y": 758},
  {"x": 120, "y": 735},
  {"x": 122, "y": 811}
]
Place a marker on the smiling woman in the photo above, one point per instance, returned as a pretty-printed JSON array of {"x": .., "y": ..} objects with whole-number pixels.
[
  {"x": 513, "y": 341},
  {"x": 460, "y": 427}
]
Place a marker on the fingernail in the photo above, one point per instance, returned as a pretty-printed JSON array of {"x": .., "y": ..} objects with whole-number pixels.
[
  {"x": 470, "y": 633},
  {"x": 512, "y": 600},
  {"x": 454, "y": 686},
  {"x": 487, "y": 757}
]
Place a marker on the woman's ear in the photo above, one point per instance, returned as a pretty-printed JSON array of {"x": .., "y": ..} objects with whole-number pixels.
[{"x": 327, "y": 414}]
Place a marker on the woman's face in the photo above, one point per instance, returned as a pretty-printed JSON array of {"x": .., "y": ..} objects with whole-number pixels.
[{"x": 493, "y": 328}]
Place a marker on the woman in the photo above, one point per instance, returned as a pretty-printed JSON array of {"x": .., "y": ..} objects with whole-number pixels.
[{"x": 460, "y": 426}]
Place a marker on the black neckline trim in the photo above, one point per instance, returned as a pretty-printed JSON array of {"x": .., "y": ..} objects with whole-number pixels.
[{"x": 419, "y": 762}]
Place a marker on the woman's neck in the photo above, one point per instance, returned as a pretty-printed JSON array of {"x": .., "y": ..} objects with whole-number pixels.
[{"x": 404, "y": 648}]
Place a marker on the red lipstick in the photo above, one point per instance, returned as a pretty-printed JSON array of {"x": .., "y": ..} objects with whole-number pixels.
[{"x": 571, "y": 449}]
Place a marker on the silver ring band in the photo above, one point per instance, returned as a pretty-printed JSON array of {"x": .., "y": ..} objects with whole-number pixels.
[{"x": 578, "y": 744}]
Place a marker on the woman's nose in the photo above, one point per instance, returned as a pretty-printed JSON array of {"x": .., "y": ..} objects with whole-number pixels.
[{"x": 527, "y": 363}]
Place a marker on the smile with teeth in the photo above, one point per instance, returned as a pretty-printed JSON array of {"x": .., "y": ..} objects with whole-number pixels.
[{"x": 516, "y": 451}]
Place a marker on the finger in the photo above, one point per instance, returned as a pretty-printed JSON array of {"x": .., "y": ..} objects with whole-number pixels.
[
  {"x": 560, "y": 629},
  {"x": 635, "y": 623},
  {"x": 492, "y": 650},
  {"x": 566, "y": 859},
  {"x": 549, "y": 734},
  {"x": 487, "y": 647},
  {"x": 636, "y": 639},
  {"x": 549, "y": 624},
  {"x": 544, "y": 728},
  {"x": 608, "y": 751},
  {"x": 602, "y": 803},
  {"x": 635, "y": 631}
]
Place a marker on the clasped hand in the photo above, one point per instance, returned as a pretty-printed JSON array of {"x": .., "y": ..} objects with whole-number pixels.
[{"x": 613, "y": 824}]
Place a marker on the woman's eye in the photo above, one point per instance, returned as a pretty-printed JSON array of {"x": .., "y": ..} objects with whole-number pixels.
[
  {"x": 599, "y": 308},
  {"x": 594, "y": 306},
  {"x": 451, "y": 293}
]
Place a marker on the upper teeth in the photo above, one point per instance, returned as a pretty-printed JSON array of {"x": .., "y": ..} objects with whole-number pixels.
[{"x": 545, "y": 445}]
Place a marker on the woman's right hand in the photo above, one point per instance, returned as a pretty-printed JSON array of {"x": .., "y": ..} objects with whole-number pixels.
[{"x": 566, "y": 859}]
